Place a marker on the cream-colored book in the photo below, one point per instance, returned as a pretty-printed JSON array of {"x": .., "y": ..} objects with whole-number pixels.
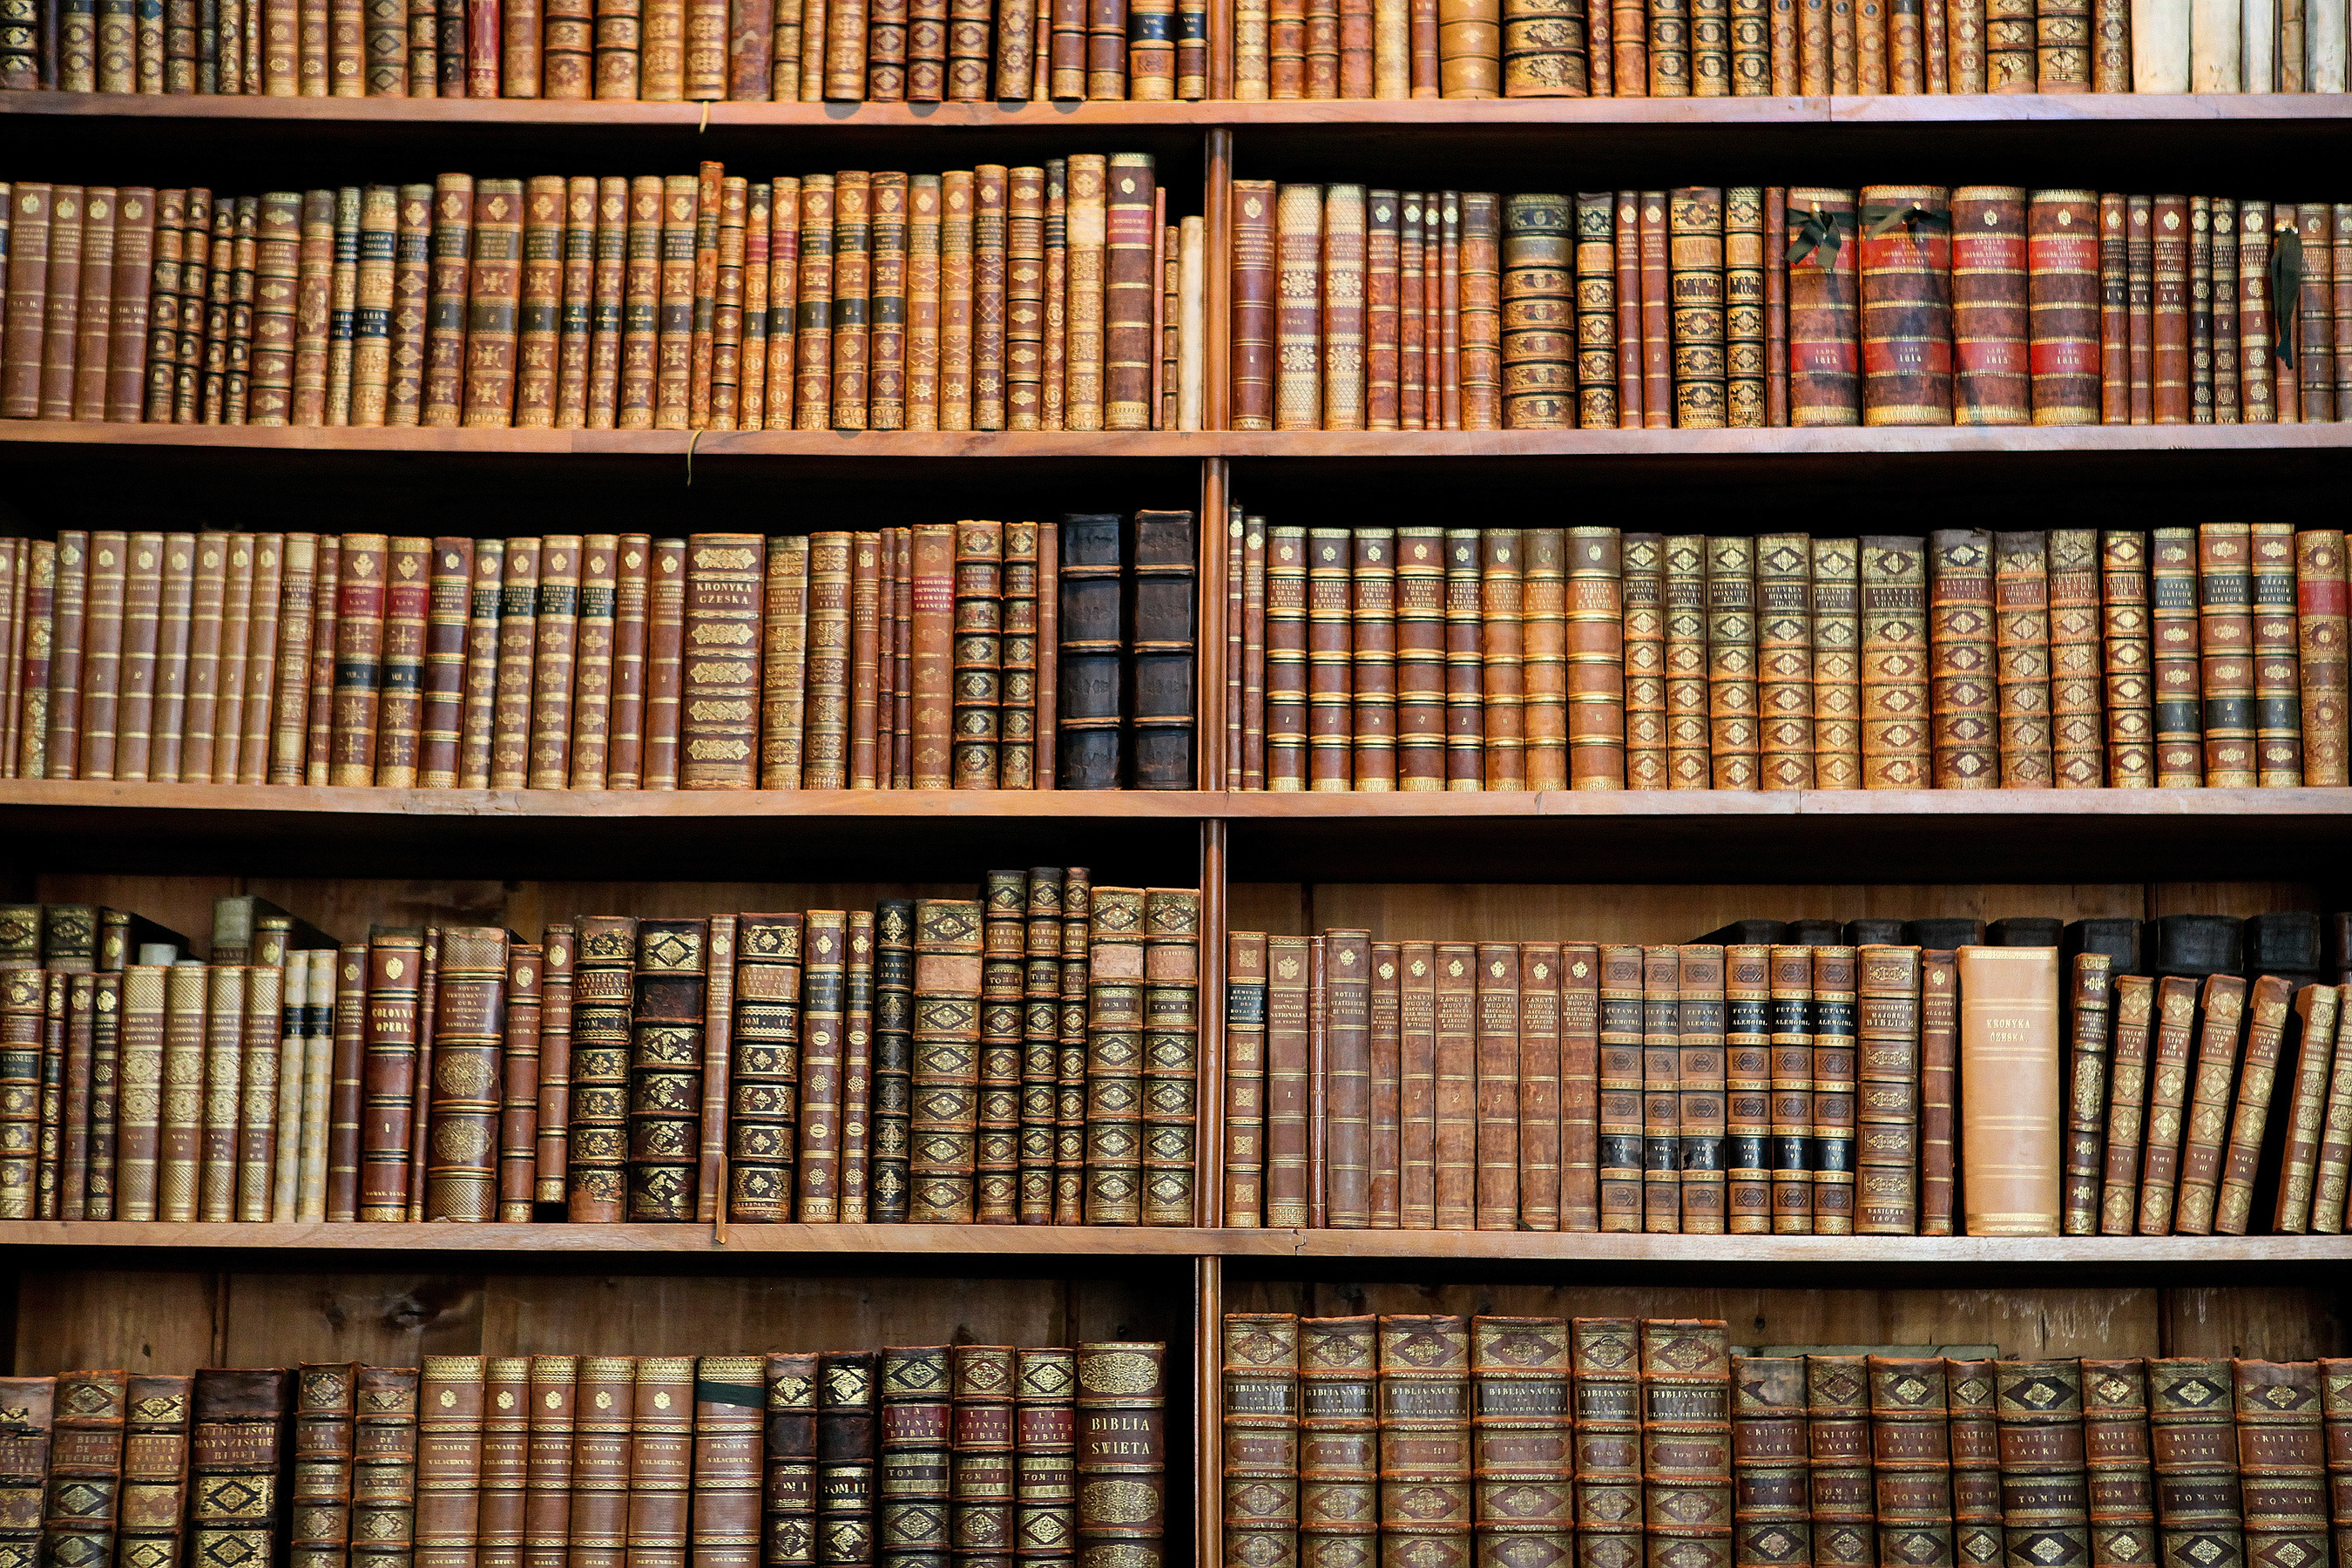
[
  {"x": 2259, "y": 21},
  {"x": 2159, "y": 46},
  {"x": 2324, "y": 46},
  {"x": 2009, "y": 1089},
  {"x": 1191, "y": 322},
  {"x": 2216, "y": 47}
]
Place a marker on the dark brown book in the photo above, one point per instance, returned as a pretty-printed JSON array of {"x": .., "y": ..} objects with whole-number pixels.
[
  {"x": 153, "y": 1503},
  {"x": 237, "y": 1435},
  {"x": 1686, "y": 1453},
  {"x": 390, "y": 1052},
  {"x": 1425, "y": 1434},
  {"x": 1263, "y": 1400},
  {"x": 1974, "y": 1434},
  {"x": 1771, "y": 1489},
  {"x": 553, "y": 1392},
  {"x": 1521, "y": 1449},
  {"x": 661, "y": 1458},
  {"x": 845, "y": 1471},
  {"x": 521, "y": 1079},
  {"x": 730, "y": 1399},
  {"x": 2193, "y": 1442},
  {"x": 77, "y": 1519},
  {"x": 2281, "y": 1459},
  {"x": 1911, "y": 1457},
  {"x": 2090, "y": 1013},
  {"x": 596, "y": 1160},
  {"x": 470, "y": 1004},
  {"x": 449, "y": 1451},
  {"x": 602, "y": 1404},
  {"x": 1605, "y": 1358},
  {"x": 2127, "y": 1108},
  {"x": 2045, "y": 1507},
  {"x": 665, "y": 1067},
  {"x": 1844, "y": 1509},
  {"x": 27, "y": 1423},
  {"x": 788, "y": 1498},
  {"x": 2122, "y": 1486}
]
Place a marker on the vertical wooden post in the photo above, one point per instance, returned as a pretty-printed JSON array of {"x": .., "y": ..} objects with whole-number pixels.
[
  {"x": 1208, "y": 1411},
  {"x": 1221, "y": 49},
  {"x": 1215, "y": 412},
  {"x": 1209, "y": 1091}
]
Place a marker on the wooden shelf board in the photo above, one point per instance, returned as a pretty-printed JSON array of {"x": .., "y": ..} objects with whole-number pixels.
[
  {"x": 1449, "y": 114},
  {"x": 1677, "y": 445},
  {"x": 1405, "y": 1247}
]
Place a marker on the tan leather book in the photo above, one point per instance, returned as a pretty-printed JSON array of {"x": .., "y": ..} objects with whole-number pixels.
[
  {"x": 556, "y": 644},
  {"x": 2267, "y": 1006},
  {"x": 518, "y": 651},
  {"x": 2126, "y": 1110},
  {"x": 548, "y": 1459},
  {"x": 506, "y": 1461},
  {"x": 2317, "y": 1013},
  {"x": 2010, "y": 1091},
  {"x": 1537, "y": 1044},
  {"x": 2167, "y": 1099},
  {"x": 2221, "y": 1033}
]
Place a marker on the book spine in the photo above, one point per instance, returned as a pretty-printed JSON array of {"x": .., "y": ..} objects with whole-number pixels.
[
  {"x": 1770, "y": 1485},
  {"x": 1824, "y": 345},
  {"x": 2195, "y": 1455},
  {"x": 1838, "y": 1437},
  {"x": 518, "y": 598},
  {"x": 236, "y": 1434},
  {"x": 1792, "y": 1091},
  {"x": 2278, "y": 718},
  {"x": 948, "y": 986},
  {"x": 2221, "y": 1009},
  {"x": 1992, "y": 381},
  {"x": 1911, "y": 1460},
  {"x": 665, "y": 1067},
  {"x": 602, "y": 1403},
  {"x": 788, "y": 1496},
  {"x": 552, "y": 1391},
  {"x": 2119, "y": 1481},
  {"x": 2075, "y": 633},
  {"x": 2043, "y": 1485},
  {"x": 519, "y": 1077},
  {"x": 765, "y": 1076},
  {"x": 2320, "y": 645},
  {"x": 2089, "y": 1012},
  {"x": 1833, "y": 1150},
  {"x": 1520, "y": 1423},
  {"x": 592, "y": 700},
  {"x": 1425, "y": 1459},
  {"x": 661, "y": 1457},
  {"x": 2167, "y": 1097},
  {"x": 1887, "y": 1105},
  {"x": 478, "y": 712},
  {"x": 1262, "y": 1438},
  {"x": 2267, "y": 1005},
  {"x": 1620, "y": 1089},
  {"x": 1962, "y": 679},
  {"x": 2134, "y": 997},
  {"x": 2316, "y": 1010},
  {"x": 1606, "y": 1390},
  {"x": 546, "y": 700},
  {"x": 1686, "y": 1457},
  {"x": 595, "y": 1158}
]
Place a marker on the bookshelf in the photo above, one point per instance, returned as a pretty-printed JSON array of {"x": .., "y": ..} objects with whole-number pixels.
[{"x": 1615, "y": 866}]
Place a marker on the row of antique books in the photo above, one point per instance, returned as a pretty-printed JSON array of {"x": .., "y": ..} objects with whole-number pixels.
[
  {"x": 1611, "y": 1441},
  {"x": 1048, "y": 297},
  {"x": 720, "y": 1461},
  {"x": 1027, "y": 1058},
  {"x": 1503, "y": 659},
  {"x": 964, "y": 655},
  {"x": 1784, "y": 1089},
  {"x": 927, "y": 51},
  {"x": 1747, "y": 307}
]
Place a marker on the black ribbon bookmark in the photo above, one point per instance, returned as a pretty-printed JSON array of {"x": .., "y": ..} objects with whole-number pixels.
[
  {"x": 1815, "y": 231},
  {"x": 2286, "y": 293},
  {"x": 1878, "y": 220}
]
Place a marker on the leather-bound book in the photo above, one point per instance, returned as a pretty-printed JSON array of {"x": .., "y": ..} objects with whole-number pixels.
[
  {"x": 2318, "y": 1010},
  {"x": 2320, "y": 653},
  {"x": 1646, "y": 749},
  {"x": 2266, "y": 1019},
  {"x": 1911, "y": 1457},
  {"x": 551, "y": 1124},
  {"x": 665, "y": 1067},
  {"x": 2167, "y": 1100},
  {"x": 2077, "y": 740},
  {"x": 2278, "y": 718},
  {"x": 2062, "y": 263},
  {"x": 890, "y": 1120},
  {"x": 1824, "y": 345},
  {"x": 602, "y": 988},
  {"x": 913, "y": 1455},
  {"x": 1596, "y": 310},
  {"x": 470, "y": 1007},
  {"x": 1424, "y": 1437},
  {"x": 2284, "y": 942},
  {"x": 236, "y": 1434},
  {"x": 1772, "y": 1493},
  {"x": 2222, "y": 1012},
  {"x": 824, "y": 1052},
  {"x": 1895, "y": 716},
  {"x": 1121, "y": 1451},
  {"x": 1939, "y": 1061},
  {"x": 723, "y": 597},
  {"x": 1387, "y": 1183},
  {"x": 77, "y": 1519},
  {"x": 519, "y": 603},
  {"x": 947, "y": 972},
  {"x": 1287, "y": 659},
  {"x": 2282, "y": 1459},
  {"x": 1699, "y": 1089},
  {"x": 2127, "y": 1108},
  {"x": 2045, "y": 1505},
  {"x": 1974, "y": 1438},
  {"x": 1784, "y": 655},
  {"x": 394, "y": 979},
  {"x": 1116, "y": 1031},
  {"x": 1538, "y": 373},
  {"x": 2195, "y": 1454},
  {"x": 1420, "y": 643},
  {"x": 1835, "y": 1019},
  {"x": 1686, "y": 1436},
  {"x": 1734, "y": 741},
  {"x": 1044, "y": 1467},
  {"x": 1497, "y": 1077},
  {"x": 1262, "y": 1438},
  {"x": 1092, "y": 698},
  {"x": 1620, "y": 1089},
  {"x": 1888, "y": 1107},
  {"x": 2089, "y": 1013},
  {"x": 151, "y": 1504},
  {"x": 2021, "y": 623},
  {"x": 1162, "y": 633},
  {"x": 661, "y": 1457},
  {"x": 552, "y": 1388},
  {"x": 997, "y": 1120},
  {"x": 1338, "y": 1490},
  {"x": 1605, "y": 1358},
  {"x": 2178, "y": 708},
  {"x": 788, "y": 1497},
  {"x": 1688, "y": 759},
  {"x": 1661, "y": 1079},
  {"x": 506, "y": 1460},
  {"x": 1368, "y": 680},
  {"x": 1747, "y": 1084},
  {"x": 2121, "y": 1483},
  {"x": 729, "y": 1399},
  {"x": 603, "y": 1403},
  {"x": 1694, "y": 251},
  {"x": 1874, "y": 931},
  {"x": 1502, "y": 607},
  {"x": 1792, "y": 1091},
  {"x": 1285, "y": 1081},
  {"x": 1454, "y": 1071},
  {"x": 2226, "y": 665},
  {"x": 2195, "y": 945},
  {"x": 1943, "y": 932},
  {"x": 519, "y": 1077},
  {"x": 2025, "y": 930},
  {"x": 2010, "y": 1091},
  {"x": 2119, "y": 939},
  {"x": 1172, "y": 921},
  {"x": 1905, "y": 240},
  {"x": 1837, "y": 667},
  {"x": 1992, "y": 378},
  {"x": 1838, "y": 1445}
]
